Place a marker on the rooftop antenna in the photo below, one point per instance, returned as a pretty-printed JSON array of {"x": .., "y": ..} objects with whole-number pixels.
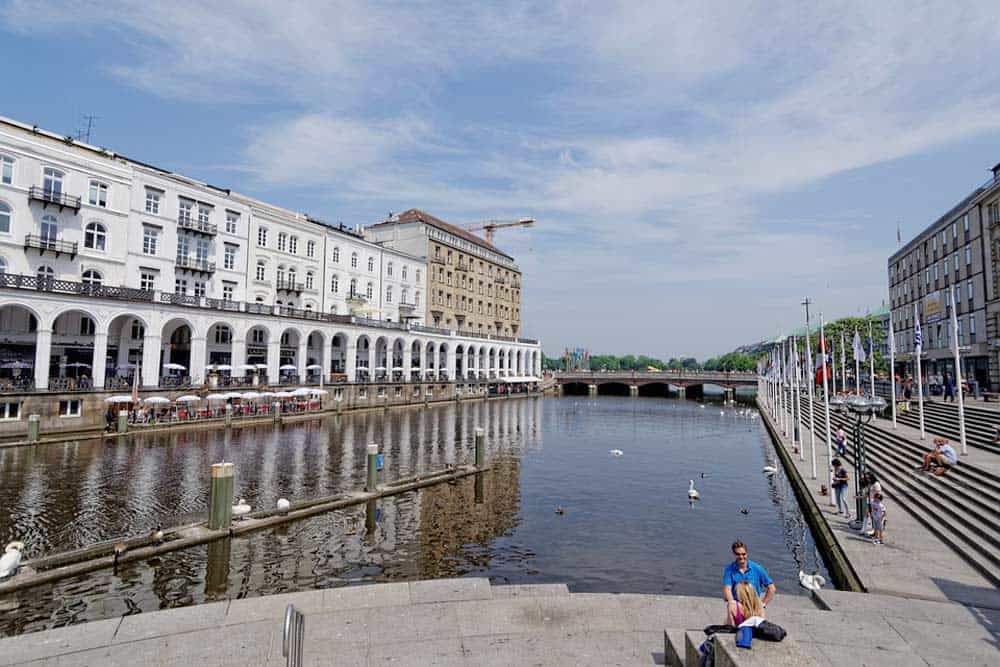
[{"x": 84, "y": 135}]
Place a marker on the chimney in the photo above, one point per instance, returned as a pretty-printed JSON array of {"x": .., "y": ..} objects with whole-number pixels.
[{"x": 996, "y": 173}]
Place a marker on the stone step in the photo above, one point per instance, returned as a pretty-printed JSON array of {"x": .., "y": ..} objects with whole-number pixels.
[{"x": 674, "y": 648}]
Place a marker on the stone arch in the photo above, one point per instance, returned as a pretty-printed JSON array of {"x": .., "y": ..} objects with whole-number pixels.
[
  {"x": 337, "y": 357},
  {"x": 219, "y": 337},
  {"x": 363, "y": 358},
  {"x": 416, "y": 358},
  {"x": 613, "y": 389},
  {"x": 431, "y": 361},
  {"x": 176, "y": 347},
  {"x": 19, "y": 326},
  {"x": 396, "y": 358},
  {"x": 460, "y": 364},
  {"x": 444, "y": 371}
]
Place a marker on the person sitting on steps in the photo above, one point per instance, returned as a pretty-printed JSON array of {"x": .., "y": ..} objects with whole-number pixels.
[{"x": 942, "y": 459}]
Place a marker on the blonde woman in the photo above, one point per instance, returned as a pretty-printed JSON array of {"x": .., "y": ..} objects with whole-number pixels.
[{"x": 748, "y": 603}]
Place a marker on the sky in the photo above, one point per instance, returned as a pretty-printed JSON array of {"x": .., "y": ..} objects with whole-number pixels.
[{"x": 696, "y": 169}]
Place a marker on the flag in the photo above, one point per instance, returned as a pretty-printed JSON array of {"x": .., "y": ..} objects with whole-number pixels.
[
  {"x": 843, "y": 350},
  {"x": 859, "y": 352},
  {"x": 918, "y": 339},
  {"x": 899, "y": 233}
]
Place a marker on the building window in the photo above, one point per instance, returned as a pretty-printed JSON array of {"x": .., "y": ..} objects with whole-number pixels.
[
  {"x": 137, "y": 330},
  {"x": 262, "y": 237},
  {"x": 232, "y": 222},
  {"x": 354, "y": 287},
  {"x": 310, "y": 249},
  {"x": 968, "y": 286},
  {"x": 227, "y": 292},
  {"x": 147, "y": 281},
  {"x": 5, "y": 216},
  {"x": 152, "y": 202},
  {"x": 416, "y": 298},
  {"x": 388, "y": 269},
  {"x": 972, "y": 328},
  {"x": 309, "y": 279},
  {"x": 370, "y": 291},
  {"x": 403, "y": 294},
  {"x": 98, "y": 194},
  {"x": 404, "y": 272},
  {"x": 70, "y": 408},
  {"x": 95, "y": 236},
  {"x": 371, "y": 264},
  {"x": 388, "y": 294},
  {"x": 52, "y": 181},
  {"x": 87, "y": 326},
  {"x": 229, "y": 258},
  {"x": 184, "y": 210},
  {"x": 417, "y": 277},
  {"x": 223, "y": 335},
  {"x": 282, "y": 241},
  {"x": 968, "y": 255},
  {"x": 965, "y": 223},
  {"x": 199, "y": 288},
  {"x": 204, "y": 214},
  {"x": 258, "y": 336},
  {"x": 336, "y": 255},
  {"x": 180, "y": 286},
  {"x": 6, "y": 169},
  {"x": 293, "y": 245},
  {"x": 149, "y": 239},
  {"x": 10, "y": 410},
  {"x": 354, "y": 260},
  {"x": 91, "y": 277},
  {"x": 45, "y": 272},
  {"x": 280, "y": 274}
]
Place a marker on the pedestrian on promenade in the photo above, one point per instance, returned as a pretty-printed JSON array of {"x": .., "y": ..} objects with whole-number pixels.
[
  {"x": 949, "y": 388},
  {"x": 908, "y": 391},
  {"x": 742, "y": 569},
  {"x": 840, "y": 441},
  {"x": 878, "y": 518},
  {"x": 840, "y": 480},
  {"x": 871, "y": 488},
  {"x": 942, "y": 459}
]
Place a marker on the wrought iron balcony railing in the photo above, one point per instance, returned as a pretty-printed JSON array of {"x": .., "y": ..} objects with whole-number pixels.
[
  {"x": 46, "y": 243},
  {"x": 195, "y": 264},
  {"x": 286, "y": 285},
  {"x": 191, "y": 225},
  {"x": 54, "y": 197}
]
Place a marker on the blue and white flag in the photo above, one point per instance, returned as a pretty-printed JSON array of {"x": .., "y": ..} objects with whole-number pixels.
[
  {"x": 918, "y": 338},
  {"x": 859, "y": 352}
]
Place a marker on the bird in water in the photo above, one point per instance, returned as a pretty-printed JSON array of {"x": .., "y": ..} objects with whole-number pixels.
[
  {"x": 812, "y": 582},
  {"x": 744, "y": 510},
  {"x": 283, "y": 505},
  {"x": 157, "y": 535},
  {"x": 241, "y": 509},
  {"x": 616, "y": 452},
  {"x": 706, "y": 475},
  {"x": 11, "y": 559},
  {"x": 769, "y": 469},
  {"x": 692, "y": 492},
  {"x": 560, "y": 509},
  {"x": 120, "y": 548}
]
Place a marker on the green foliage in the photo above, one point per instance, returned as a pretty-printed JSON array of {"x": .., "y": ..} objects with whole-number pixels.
[
  {"x": 846, "y": 326},
  {"x": 732, "y": 362}
]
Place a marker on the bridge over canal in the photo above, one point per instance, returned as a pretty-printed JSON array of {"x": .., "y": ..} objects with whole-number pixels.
[{"x": 682, "y": 383}]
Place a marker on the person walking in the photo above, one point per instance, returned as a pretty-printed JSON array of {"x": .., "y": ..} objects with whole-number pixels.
[
  {"x": 742, "y": 569},
  {"x": 871, "y": 488},
  {"x": 840, "y": 480},
  {"x": 840, "y": 441},
  {"x": 878, "y": 518},
  {"x": 949, "y": 388},
  {"x": 908, "y": 391}
]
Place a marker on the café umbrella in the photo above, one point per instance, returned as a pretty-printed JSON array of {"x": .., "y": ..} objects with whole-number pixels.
[
  {"x": 156, "y": 400},
  {"x": 190, "y": 398},
  {"x": 118, "y": 399}
]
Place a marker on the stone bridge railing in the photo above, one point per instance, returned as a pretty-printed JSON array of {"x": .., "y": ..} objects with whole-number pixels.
[{"x": 681, "y": 380}]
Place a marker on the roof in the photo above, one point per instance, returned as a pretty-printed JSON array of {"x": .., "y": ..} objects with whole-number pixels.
[{"x": 416, "y": 215}]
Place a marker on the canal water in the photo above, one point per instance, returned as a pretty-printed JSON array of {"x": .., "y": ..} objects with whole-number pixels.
[{"x": 627, "y": 524}]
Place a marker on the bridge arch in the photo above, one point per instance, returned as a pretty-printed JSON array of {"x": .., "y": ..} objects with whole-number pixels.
[
  {"x": 575, "y": 389},
  {"x": 613, "y": 389}
]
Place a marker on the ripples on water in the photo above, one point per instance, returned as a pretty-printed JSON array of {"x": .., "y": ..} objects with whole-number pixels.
[{"x": 628, "y": 526}]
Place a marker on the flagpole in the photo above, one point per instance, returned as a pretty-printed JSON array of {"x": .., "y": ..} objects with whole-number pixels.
[
  {"x": 797, "y": 399},
  {"x": 833, "y": 362},
  {"x": 781, "y": 388},
  {"x": 958, "y": 372},
  {"x": 918, "y": 348},
  {"x": 811, "y": 380},
  {"x": 843, "y": 363},
  {"x": 871, "y": 355},
  {"x": 857, "y": 363},
  {"x": 892, "y": 368},
  {"x": 826, "y": 411}
]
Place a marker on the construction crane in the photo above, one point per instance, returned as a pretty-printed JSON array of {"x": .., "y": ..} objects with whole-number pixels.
[{"x": 491, "y": 226}]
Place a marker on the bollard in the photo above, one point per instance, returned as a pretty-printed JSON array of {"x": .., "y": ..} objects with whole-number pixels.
[
  {"x": 122, "y": 421},
  {"x": 478, "y": 489},
  {"x": 34, "y": 426},
  {"x": 480, "y": 447},
  {"x": 276, "y": 412},
  {"x": 372, "y": 483},
  {"x": 217, "y": 569},
  {"x": 220, "y": 508},
  {"x": 229, "y": 414}
]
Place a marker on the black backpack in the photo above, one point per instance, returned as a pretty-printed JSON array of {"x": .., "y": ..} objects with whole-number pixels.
[{"x": 769, "y": 632}]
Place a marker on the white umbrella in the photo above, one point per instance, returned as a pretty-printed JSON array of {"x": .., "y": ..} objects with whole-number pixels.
[
  {"x": 301, "y": 391},
  {"x": 318, "y": 392},
  {"x": 287, "y": 367},
  {"x": 217, "y": 397},
  {"x": 156, "y": 399},
  {"x": 314, "y": 367},
  {"x": 262, "y": 367},
  {"x": 414, "y": 368},
  {"x": 380, "y": 368},
  {"x": 283, "y": 394},
  {"x": 249, "y": 367},
  {"x": 77, "y": 364},
  {"x": 118, "y": 399},
  {"x": 190, "y": 398},
  {"x": 223, "y": 367},
  {"x": 397, "y": 368},
  {"x": 126, "y": 366},
  {"x": 250, "y": 395},
  {"x": 174, "y": 367}
]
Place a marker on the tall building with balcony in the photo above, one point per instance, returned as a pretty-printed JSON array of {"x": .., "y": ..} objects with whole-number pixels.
[
  {"x": 947, "y": 267},
  {"x": 471, "y": 285}
]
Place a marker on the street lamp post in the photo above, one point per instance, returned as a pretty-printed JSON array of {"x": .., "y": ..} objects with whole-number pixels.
[{"x": 864, "y": 410}]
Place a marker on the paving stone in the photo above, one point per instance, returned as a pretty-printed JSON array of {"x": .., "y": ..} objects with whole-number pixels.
[
  {"x": 413, "y": 624},
  {"x": 530, "y": 650},
  {"x": 655, "y": 612},
  {"x": 35, "y": 645},
  {"x": 967, "y": 644},
  {"x": 364, "y": 596},
  {"x": 450, "y": 590},
  {"x": 171, "y": 621},
  {"x": 832, "y": 627},
  {"x": 582, "y": 613},
  {"x": 761, "y": 654},
  {"x": 247, "y": 644},
  {"x": 630, "y": 648},
  {"x": 329, "y": 633},
  {"x": 417, "y": 653},
  {"x": 498, "y": 617},
  {"x": 848, "y": 655},
  {"x": 529, "y": 591},
  {"x": 272, "y": 607}
]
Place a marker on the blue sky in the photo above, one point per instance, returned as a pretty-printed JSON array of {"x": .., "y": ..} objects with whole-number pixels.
[{"x": 696, "y": 169}]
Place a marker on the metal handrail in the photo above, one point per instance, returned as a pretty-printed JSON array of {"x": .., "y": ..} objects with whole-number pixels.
[
  {"x": 289, "y": 285},
  {"x": 193, "y": 225},
  {"x": 185, "y": 262},
  {"x": 54, "y": 197},
  {"x": 291, "y": 636},
  {"x": 48, "y": 243}
]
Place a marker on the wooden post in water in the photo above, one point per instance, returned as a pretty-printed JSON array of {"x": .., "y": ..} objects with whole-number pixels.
[
  {"x": 220, "y": 509},
  {"x": 122, "y": 421},
  {"x": 480, "y": 446},
  {"x": 34, "y": 428},
  {"x": 229, "y": 415},
  {"x": 372, "y": 483}
]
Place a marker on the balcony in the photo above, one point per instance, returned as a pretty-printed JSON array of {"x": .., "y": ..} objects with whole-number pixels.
[
  {"x": 357, "y": 299},
  {"x": 500, "y": 280},
  {"x": 195, "y": 264},
  {"x": 46, "y": 244},
  {"x": 437, "y": 260},
  {"x": 286, "y": 285},
  {"x": 196, "y": 226},
  {"x": 54, "y": 197},
  {"x": 462, "y": 266}
]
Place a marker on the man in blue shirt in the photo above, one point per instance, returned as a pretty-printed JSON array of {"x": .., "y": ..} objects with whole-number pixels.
[{"x": 744, "y": 569}]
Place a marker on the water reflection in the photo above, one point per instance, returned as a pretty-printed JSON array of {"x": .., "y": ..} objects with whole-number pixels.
[{"x": 628, "y": 526}]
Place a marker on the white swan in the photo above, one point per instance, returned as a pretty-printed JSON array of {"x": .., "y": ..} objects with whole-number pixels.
[
  {"x": 240, "y": 509},
  {"x": 11, "y": 559},
  {"x": 615, "y": 452},
  {"x": 692, "y": 492},
  {"x": 769, "y": 469},
  {"x": 812, "y": 582},
  {"x": 283, "y": 505}
]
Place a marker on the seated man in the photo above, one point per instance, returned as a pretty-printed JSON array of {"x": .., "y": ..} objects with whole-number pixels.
[
  {"x": 744, "y": 570},
  {"x": 943, "y": 457}
]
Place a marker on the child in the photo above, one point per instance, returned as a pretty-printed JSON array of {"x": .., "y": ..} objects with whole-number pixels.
[
  {"x": 878, "y": 518},
  {"x": 748, "y": 603}
]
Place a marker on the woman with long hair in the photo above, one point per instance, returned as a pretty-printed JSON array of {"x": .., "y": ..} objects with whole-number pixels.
[{"x": 748, "y": 603}]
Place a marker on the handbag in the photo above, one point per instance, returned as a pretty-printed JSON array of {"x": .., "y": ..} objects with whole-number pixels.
[{"x": 769, "y": 632}]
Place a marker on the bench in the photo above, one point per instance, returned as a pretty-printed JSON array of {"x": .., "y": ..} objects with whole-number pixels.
[{"x": 987, "y": 395}]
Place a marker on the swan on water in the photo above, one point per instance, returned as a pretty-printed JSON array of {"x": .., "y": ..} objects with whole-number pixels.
[
  {"x": 560, "y": 509},
  {"x": 157, "y": 535},
  {"x": 615, "y": 452},
  {"x": 744, "y": 510},
  {"x": 283, "y": 505},
  {"x": 240, "y": 509},
  {"x": 11, "y": 559},
  {"x": 692, "y": 492},
  {"x": 812, "y": 582},
  {"x": 769, "y": 469}
]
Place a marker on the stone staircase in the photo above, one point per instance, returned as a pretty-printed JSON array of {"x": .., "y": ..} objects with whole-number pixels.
[{"x": 942, "y": 419}]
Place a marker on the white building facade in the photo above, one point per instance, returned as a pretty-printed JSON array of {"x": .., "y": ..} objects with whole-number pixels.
[{"x": 112, "y": 268}]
